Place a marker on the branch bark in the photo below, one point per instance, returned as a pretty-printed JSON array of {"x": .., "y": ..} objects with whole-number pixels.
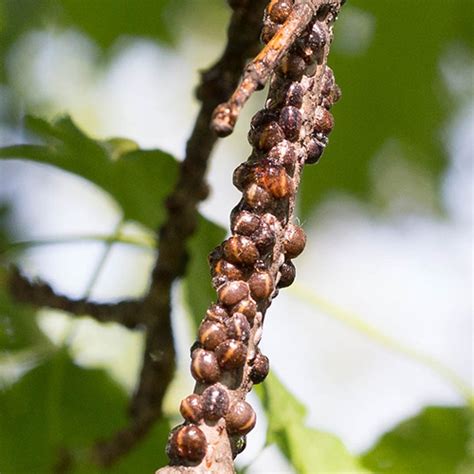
[
  {"x": 289, "y": 133},
  {"x": 158, "y": 366},
  {"x": 40, "y": 294}
]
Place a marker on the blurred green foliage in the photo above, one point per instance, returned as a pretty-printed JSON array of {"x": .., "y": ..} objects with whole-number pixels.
[
  {"x": 392, "y": 90},
  {"x": 54, "y": 413},
  {"x": 439, "y": 440},
  {"x": 307, "y": 449}
]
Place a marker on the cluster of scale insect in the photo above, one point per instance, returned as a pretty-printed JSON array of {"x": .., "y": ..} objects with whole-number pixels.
[{"x": 241, "y": 265}]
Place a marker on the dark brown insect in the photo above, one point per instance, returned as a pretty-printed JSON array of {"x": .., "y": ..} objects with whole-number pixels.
[
  {"x": 323, "y": 120},
  {"x": 241, "y": 418},
  {"x": 238, "y": 327},
  {"x": 317, "y": 38},
  {"x": 204, "y": 366},
  {"x": 261, "y": 285},
  {"x": 295, "y": 240},
  {"x": 231, "y": 354},
  {"x": 291, "y": 121},
  {"x": 287, "y": 274},
  {"x": 231, "y": 293},
  {"x": 275, "y": 180},
  {"x": 224, "y": 271},
  {"x": 285, "y": 155},
  {"x": 216, "y": 312},
  {"x": 257, "y": 198},
  {"x": 242, "y": 176},
  {"x": 279, "y": 10},
  {"x": 294, "y": 95},
  {"x": 264, "y": 238},
  {"x": 239, "y": 249},
  {"x": 247, "y": 307},
  {"x": 270, "y": 135},
  {"x": 314, "y": 151},
  {"x": 187, "y": 443},
  {"x": 211, "y": 334},
  {"x": 191, "y": 408},
  {"x": 215, "y": 402},
  {"x": 260, "y": 368},
  {"x": 245, "y": 223}
]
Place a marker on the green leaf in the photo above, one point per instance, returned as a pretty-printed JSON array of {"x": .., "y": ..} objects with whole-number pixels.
[
  {"x": 137, "y": 179},
  {"x": 198, "y": 290},
  {"x": 391, "y": 91},
  {"x": 309, "y": 450},
  {"x": 58, "y": 407},
  {"x": 439, "y": 440}
]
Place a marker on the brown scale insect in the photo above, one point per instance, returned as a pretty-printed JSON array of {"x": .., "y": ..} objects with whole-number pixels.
[
  {"x": 261, "y": 285},
  {"x": 211, "y": 334},
  {"x": 294, "y": 95},
  {"x": 314, "y": 150},
  {"x": 272, "y": 177},
  {"x": 204, "y": 366},
  {"x": 240, "y": 250},
  {"x": 224, "y": 271},
  {"x": 242, "y": 176},
  {"x": 323, "y": 120},
  {"x": 233, "y": 292},
  {"x": 287, "y": 274},
  {"x": 231, "y": 354},
  {"x": 216, "y": 312},
  {"x": 258, "y": 198},
  {"x": 191, "y": 408},
  {"x": 241, "y": 418},
  {"x": 295, "y": 240},
  {"x": 215, "y": 402},
  {"x": 187, "y": 443},
  {"x": 317, "y": 38},
  {"x": 260, "y": 368},
  {"x": 291, "y": 121},
  {"x": 247, "y": 307},
  {"x": 270, "y": 135},
  {"x": 285, "y": 155},
  {"x": 279, "y": 10},
  {"x": 264, "y": 238},
  {"x": 238, "y": 327},
  {"x": 244, "y": 223}
]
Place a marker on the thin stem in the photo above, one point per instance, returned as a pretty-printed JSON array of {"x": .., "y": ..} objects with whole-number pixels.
[
  {"x": 355, "y": 322},
  {"x": 102, "y": 260},
  {"x": 144, "y": 241}
]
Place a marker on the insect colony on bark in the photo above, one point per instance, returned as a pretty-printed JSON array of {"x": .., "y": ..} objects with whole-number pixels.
[{"x": 250, "y": 267}]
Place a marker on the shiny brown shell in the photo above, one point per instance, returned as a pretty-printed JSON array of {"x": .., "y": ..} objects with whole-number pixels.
[
  {"x": 204, "y": 366},
  {"x": 241, "y": 418},
  {"x": 187, "y": 443},
  {"x": 231, "y": 354}
]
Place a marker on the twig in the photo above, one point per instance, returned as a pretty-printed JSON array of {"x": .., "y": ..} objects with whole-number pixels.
[
  {"x": 259, "y": 70},
  {"x": 40, "y": 294},
  {"x": 159, "y": 356},
  {"x": 269, "y": 181}
]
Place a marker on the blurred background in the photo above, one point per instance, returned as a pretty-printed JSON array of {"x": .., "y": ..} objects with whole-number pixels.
[{"x": 379, "y": 323}]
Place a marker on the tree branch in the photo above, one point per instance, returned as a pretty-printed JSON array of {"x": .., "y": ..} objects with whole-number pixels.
[
  {"x": 250, "y": 267},
  {"x": 40, "y": 294},
  {"x": 158, "y": 366}
]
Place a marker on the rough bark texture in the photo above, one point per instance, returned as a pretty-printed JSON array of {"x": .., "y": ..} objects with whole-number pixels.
[{"x": 286, "y": 135}]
